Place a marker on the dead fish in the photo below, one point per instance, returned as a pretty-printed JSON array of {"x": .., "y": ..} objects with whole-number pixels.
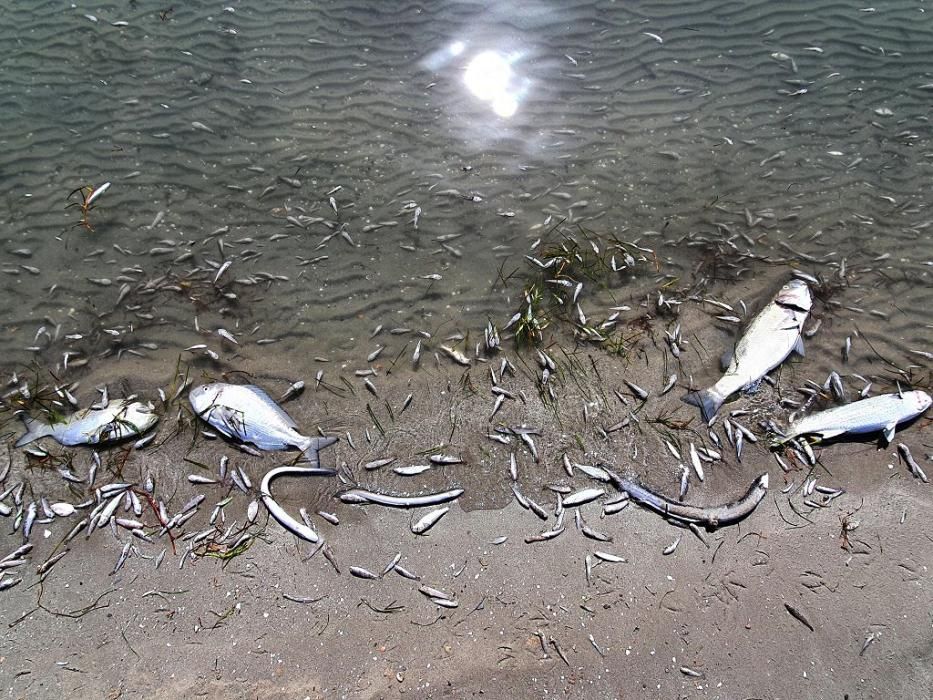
[
  {"x": 695, "y": 461},
  {"x": 119, "y": 420},
  {"x": 412, "y": 470},
  {"x": 583, "y": 496},
  {"x": 293, "y": 391},
  {"x": 362, "y": 497},
  {"x": 376, "y": 464},
  {"x": 247, "y": 413},
  {"x": 883, "y": 412},
  {"x": 456, "y": 355},
  {"x": 769, "y": 339},
  {"x": 427, "y": 521},
  {"x": 637, "y": 390},
  {"x": 360, "y": 572}
]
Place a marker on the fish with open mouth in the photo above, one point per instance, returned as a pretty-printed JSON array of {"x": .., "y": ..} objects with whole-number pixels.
[
  {"x": 882, "y": 413},
  {"x": 119, "y": 420},
  {"x": 769, "y": 339},
  {"x": 248, "y": 414}
]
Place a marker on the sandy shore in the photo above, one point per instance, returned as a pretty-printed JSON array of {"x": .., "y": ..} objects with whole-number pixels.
[{"x": 711, "y": 619}]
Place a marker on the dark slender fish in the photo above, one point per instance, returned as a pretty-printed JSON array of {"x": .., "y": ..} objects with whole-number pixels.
[
  {"x": 796, "y": 614},
  {"x": 710, "y": 517}
]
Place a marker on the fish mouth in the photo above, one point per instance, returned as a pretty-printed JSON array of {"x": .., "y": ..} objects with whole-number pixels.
[
  {"x": 795, "y": 295},
  {"x": 923, "y": 401},
  {"x": 787, "y": 304}
]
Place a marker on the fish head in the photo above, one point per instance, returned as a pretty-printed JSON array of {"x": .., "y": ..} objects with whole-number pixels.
[
  {"x": 795, "y": 294},
  {"x": 203, "y": 396},
  {"x": 920, "y": 399}
]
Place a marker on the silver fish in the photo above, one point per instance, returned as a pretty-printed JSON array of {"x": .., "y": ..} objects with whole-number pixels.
[
  {"x": 870, "y": 415},
  {"x": 427, "y": 521},
  {"x": 578, "y": 498},
  {"x": 248, "y": 414},
  {"x": 769, "y": 339},
  {"x": 118, "y": 421}
]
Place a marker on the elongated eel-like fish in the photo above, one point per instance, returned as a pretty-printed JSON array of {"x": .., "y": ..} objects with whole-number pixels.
[
  {"x": 710, "y": 517},
  {"x": 361, "y": 496},
  {"x": 278, "y": 512}
]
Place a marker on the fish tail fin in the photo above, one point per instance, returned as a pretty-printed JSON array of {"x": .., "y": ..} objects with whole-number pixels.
[
  {"x": 35, "y": 429},
  {"x": 314, "y": 446},
  {"x": 707, "y": 400}
]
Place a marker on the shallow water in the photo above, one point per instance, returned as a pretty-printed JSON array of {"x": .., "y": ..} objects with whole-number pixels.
[{"x": 612, "y": 130}]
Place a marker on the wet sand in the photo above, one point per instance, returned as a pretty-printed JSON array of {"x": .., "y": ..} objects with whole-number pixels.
[{"x": 525, "y": 611}]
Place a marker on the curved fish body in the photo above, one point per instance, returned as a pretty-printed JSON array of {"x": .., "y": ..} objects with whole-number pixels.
[
  {"x": 94, "y": 426},
  {"x": 709, "y": 517},
  {"x": 248, "y": 414},
  {"x": 769, "y": 339},
  {"x": 878, "y": 413},
  {"x": 302, "y": 530}
]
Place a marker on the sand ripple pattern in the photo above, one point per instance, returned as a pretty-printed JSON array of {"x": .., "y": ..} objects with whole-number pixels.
[{"x": 236, "y": 126}]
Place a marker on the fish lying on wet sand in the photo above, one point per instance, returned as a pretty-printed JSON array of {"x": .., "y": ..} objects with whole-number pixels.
[
  {"x": 866, "y": 416},
  {"x": 117, "y": 421},
  {"x": 710, "y": 517},
  {"x": 769, "y": 339},
  {"x": 248, "y": 414}
]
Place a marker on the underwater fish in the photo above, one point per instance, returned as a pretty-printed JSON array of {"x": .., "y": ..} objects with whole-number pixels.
[
  {"x": 248, "y": 414},
  {"x": 866, "y": 416},
  {"x": 769, "y": 339},
  {"x": 119, "y": 420}
]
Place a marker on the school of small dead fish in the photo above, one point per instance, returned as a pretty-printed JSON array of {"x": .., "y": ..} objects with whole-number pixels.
[{"x": 251, "y": 418}]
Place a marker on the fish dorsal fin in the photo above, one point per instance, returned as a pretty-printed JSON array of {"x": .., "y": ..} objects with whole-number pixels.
[{"x": 272, "y": 405}]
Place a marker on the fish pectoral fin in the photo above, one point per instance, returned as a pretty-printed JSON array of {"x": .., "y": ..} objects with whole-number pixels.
[
  {"x": 830, "y": 433},
  {"x": 889, "y": 432},
  {"x": 798, "y": 346}
]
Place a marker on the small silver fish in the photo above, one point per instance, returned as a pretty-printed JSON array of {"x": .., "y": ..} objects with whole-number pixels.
[
  {"x": 583, "y": 496},
  {"x": 427, "y": 521}
]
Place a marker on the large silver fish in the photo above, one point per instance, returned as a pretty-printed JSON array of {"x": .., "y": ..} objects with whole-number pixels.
[
  {"x": 248, "y": 414},
  {"x": 865, "y": 416},
  {"x": 119, "y": 420},
  {"x": 769, "y": 339}
]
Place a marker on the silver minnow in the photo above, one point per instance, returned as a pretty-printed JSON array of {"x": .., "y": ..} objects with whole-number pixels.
[
  {"x": 866, "y": 416},
  {"x": 769, "y": 339},
  {"x": 248, "y": 414},
  {"x": 119, "y": 420}
]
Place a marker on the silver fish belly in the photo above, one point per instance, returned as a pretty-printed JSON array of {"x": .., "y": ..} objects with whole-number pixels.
[{"x": 769, "y": 339}]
